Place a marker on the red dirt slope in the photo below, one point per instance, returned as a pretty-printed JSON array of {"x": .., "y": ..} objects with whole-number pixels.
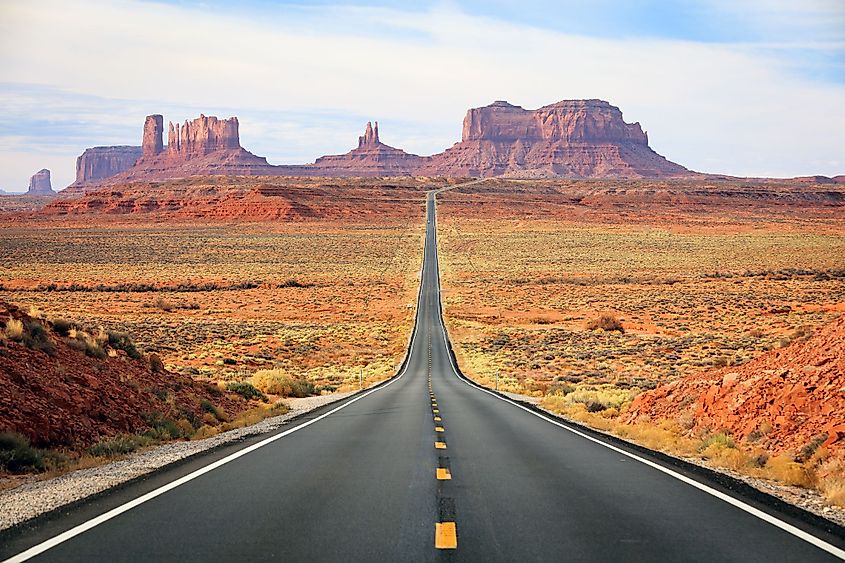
[
  {"x": 68, "y": 399},
  {"x": 781, "y": 400}
]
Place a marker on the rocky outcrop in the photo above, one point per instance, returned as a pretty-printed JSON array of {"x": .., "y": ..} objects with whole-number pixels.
[
  {"x": 201, "y": 137},
  {"x": 370, "y": 158},
  {"x": 782, "y": 400},
  {"x": 59, "y": 397},
  {"x": 39, "y": 183},
  {"x": 99, "y": 163},
  {"x": 152, "y": 143},
  {"x": 576, "y": 138},
  {"x": 203, "y": 146}
]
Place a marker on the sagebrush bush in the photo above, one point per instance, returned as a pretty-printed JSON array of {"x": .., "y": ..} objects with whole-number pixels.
[
  {"x": 122, "y": 341},
  {"x": 62, "y": 327},
  {"x": 36, "y": 337},
  {"x": 119, "y": 445},
  {"x": 246, "y": 390},
  {"x": 607, "y": 323},
  {"x": 18, "y": 456},
  {"x": 278, "y": 382}
]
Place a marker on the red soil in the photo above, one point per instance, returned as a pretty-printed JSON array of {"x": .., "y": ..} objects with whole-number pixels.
[
  {"x": 70, "y": 400},
  {"x": 782, "y": 400}
]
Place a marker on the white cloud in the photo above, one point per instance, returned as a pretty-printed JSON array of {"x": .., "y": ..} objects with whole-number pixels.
[{"x": 725, "y": 108}]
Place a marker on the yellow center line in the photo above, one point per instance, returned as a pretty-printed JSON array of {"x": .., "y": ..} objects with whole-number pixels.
[
  {"x": 445, "y": 535},
  {"x": 435, "y": 411},
  {"x": 440, "y": 445},
  {"x": 437, "y": 419},
  {"x": 443, "y": 474},
  {"x": 439, "y": 429}
]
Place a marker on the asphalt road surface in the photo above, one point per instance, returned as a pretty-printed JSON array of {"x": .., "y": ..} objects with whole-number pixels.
[{"x": 425, "y": 468}]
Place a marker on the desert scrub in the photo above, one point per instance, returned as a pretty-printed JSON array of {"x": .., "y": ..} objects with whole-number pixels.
[
  {"x": 122, "y": 341},
  {"x": 600, "y": 399},
  {"x": 246, "y": 390},
  {"x": 279, "y": 382},
  {"x": 607, "y": 323},
  {"x": 14, "y": 330},
  {"x": 36, "y": 337},
  {"x": 119, "y": 445},
  {"x": 18, "y": 456}
]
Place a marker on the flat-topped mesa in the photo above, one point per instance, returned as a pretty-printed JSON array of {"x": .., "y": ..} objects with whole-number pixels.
[
  {"x": 39, "y": 183},
  {"x": 202, "y": 136},
  {"x": 570, "y": 121},
  {"x": 572, "y": 138},
  {"x": 98, "y": 163}
]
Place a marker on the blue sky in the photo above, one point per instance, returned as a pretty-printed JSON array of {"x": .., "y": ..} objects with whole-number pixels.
[{"x": 747, "y": 88}]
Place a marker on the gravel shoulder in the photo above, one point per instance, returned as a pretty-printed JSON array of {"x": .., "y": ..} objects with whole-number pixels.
[{"x": 38, "y": 496}]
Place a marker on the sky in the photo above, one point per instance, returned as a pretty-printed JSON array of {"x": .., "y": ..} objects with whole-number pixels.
[{"x": 749, "y": 88}]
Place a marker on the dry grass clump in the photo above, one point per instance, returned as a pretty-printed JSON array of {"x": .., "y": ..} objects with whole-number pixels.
[
  {"x": 607, "y": 323},
  {"x": 14, "y": 330},
  {"x": 279, "y": 382}
]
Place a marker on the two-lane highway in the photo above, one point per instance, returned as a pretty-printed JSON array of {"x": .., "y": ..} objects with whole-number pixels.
[{"x": 424, "y": 468}]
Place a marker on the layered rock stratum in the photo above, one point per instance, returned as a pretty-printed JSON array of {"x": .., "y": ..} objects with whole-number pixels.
[
  {"x": 570, "y": 138},
  {"x": 99, "y": 163},
  {"x": 370, "y": 158},
  {"x": 573, "y": 138},
  {"x": 39, "y": 183}
]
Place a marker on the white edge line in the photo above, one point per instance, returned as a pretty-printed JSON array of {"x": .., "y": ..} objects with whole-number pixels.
[
  {"x": 785, "y": 526},
  {"x": 106, "y": 516}
]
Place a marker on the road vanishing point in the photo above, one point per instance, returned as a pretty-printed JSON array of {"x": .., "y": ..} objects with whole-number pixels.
[{"x": 427, "y": 466}]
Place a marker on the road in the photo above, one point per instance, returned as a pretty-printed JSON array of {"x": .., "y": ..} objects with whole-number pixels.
[{"x": 425, "y": 468}]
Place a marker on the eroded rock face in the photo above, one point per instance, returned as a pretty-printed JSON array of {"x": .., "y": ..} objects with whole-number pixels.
[
  {"x": 39, "y": 183},
  {"x": 580, "y": 138},
  {"x": 371, "y": 158},
  {"x": 98, "y": 163},
  {"x": 202, "y": 136},
  {"x": 152, "y": 143}
]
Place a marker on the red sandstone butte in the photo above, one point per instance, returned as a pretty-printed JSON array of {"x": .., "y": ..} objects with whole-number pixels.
[{"x": 574, "y": 138}]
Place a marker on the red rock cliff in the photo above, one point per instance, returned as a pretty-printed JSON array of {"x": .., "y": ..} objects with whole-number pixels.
[
  {"x": 98, "y": 163},
  {"x": 581, "y": 138},
  {"x": 39, "y": 183},
  {"x": 201, "y": 137}
]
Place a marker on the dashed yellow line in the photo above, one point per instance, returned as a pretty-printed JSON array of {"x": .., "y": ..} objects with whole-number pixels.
[
  {"x": 437, "y": 419},
  {"x": 443, "y": 474},
  {"x": 445, "y": 535},
  {"x": 435, "y": 411},
  {"x": 440, "y": 445},
  {"x": 439, "y": 429}
]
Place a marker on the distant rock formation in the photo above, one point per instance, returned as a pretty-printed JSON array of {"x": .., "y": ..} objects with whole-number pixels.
[
  {"x": 578, "y": 138},
  {"x": 152, "y": 143},
  {"x": 201, "y": 137},
  {"x": 371, "y": 158},
  {"x": 571, "y": 138},
  {"x": 98, "y": 163},
  {"x": 39, "y": 183}
]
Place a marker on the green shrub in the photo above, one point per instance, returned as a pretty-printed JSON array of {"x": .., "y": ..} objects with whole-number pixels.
[
  {"x": 162, "y": 428},
  {"x": 119, "y": 445},
  {"x": 246, "y": 390},
  {"x": 17, "y": 456},
  {"x": 62, "y": 327},
  {"x": 719, "y": 439},
  {"x": 36, "y": 337},
  {"x": 209, "y": 407},
  {"x": 121, "y": 341}
]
